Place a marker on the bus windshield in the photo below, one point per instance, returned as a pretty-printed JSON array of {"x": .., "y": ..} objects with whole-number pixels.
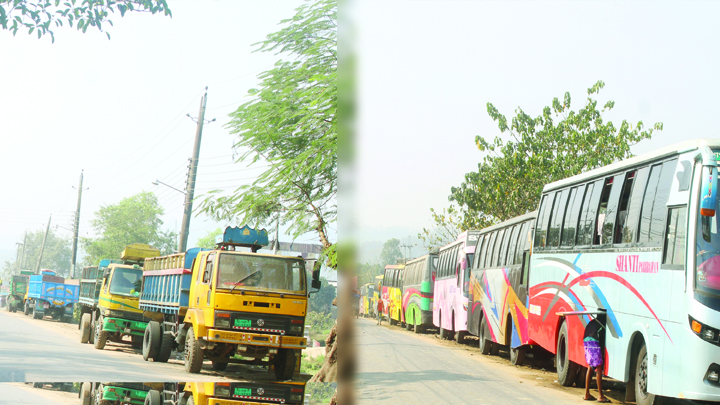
[
  {"x": 707, "y": 273},
  {"x": 126, "y": 282},
  {"x": 260, "y": 273}
]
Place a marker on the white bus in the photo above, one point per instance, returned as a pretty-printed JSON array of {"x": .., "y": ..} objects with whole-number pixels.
[{"x": 637, "y": 244}]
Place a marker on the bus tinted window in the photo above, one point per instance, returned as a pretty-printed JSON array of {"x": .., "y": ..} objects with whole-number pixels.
[
  {"x": 602, "y": 210},
  {"x": 630, "y": 227},
  {"x": 588, "y": 211},
  {"x": 558, "y": 213},
  {"x": 496, "y": 248},
  {"x": 612, "y": 209},
  {"x": 647, "y": 205},
  {"x": 478, "y": 252},
  {"x": 504, "y": 247},
  {"x": 522, "y": 241},
  {"x": 621, "y": 216},
  {"x": 510, "y": 258},
  {"x": 659, "y": 213},
  {"x": 490, "y": 245},
  {"x": 571, "y": 218},
  {"x": 542, "y": 220}
]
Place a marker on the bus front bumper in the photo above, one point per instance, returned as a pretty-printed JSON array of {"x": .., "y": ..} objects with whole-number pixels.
[{"x": 256, "y": 339}]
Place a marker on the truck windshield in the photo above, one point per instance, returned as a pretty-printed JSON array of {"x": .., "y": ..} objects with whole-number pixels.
[
  {"x": 707, "y": 273},
  {"x": 126, "y": 282},
  {"x": 260, "y": 273}
]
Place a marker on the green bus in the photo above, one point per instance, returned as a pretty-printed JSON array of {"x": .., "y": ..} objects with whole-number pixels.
[{"x": 417, "y": 297}]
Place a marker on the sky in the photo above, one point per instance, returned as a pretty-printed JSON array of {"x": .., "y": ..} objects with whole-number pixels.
[
  {"x": 427, "y": 69},
  {"x": 116, "y": 110}
]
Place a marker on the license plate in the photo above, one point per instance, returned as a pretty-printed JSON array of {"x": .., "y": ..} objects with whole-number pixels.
[
  {"x": 261, "y": 338},
  {"x": 243, "y": 323},
  {"x": 243, "y": 392}
]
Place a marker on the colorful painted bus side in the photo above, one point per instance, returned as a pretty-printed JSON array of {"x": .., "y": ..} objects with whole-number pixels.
[
  {"x": 498, "y": 287},
  {"x": 417, "y": 297},
  {"x": 635, "y": 244},
  {"x": 392, "y": 293},
  {"x": 450, "y": 293},
  {"x": 368, "y": 300}
]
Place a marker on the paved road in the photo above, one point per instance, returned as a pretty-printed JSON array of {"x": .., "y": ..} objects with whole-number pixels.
[
  {"x": 46, "y": 350},
  {"x": 397, "y": 367},
  {"x": 25, "y": 394}
]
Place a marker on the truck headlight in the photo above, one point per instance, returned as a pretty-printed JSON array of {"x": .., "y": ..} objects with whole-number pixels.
[
  {"x": 296, "y": 398},
  {"x": 296, "y": 328},
  {"x": 222, "y": 389},
  {"x": 222, "y": 319}
]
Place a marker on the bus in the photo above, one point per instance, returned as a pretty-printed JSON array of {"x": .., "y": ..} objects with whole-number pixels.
[
  {"x": 368, "y": 301},
  {"x": 498, "y": 292},
  {"x": 450, "y": 293},
  {"x": 635, "y": 244},
  {"x": 417, "y": 295},
  {"x": 392, "y": 293}
]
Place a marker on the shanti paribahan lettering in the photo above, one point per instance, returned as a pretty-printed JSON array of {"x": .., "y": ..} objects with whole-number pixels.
[{"x": 632, "y": 264}]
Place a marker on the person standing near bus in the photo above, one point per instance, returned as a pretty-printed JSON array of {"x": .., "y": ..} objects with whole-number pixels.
[
  {"x": 594, "y": 353},
  {"x": 380, "y": 311}
]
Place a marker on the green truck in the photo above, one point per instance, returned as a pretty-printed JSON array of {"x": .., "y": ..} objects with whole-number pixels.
[{"x": 18, "y": 289}]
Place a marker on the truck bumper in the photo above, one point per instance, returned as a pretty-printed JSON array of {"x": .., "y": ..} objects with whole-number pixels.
[
  {"x": 124, "y": 326},
  {"x": 217, "y": 401},
  {"x": 256, "y": 339}
]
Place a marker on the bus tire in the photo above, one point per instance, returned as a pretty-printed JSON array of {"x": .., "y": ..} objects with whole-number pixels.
[
  {"x": 485, "y": 343},
  {"x": 153, "y": 398},
  {"x": 443, "y": 331},
  {"x": 580, "y": 377},
  {"x": 517, "y": 356},
  {"x": 417, "y": 328},
  {"x": 151, "y": 341},
  {"x": 100, "y": 336},
  {"x": 85, "y": 328},
  {"x": 284, "y": 364},
  {"x": 194, "y": 354},
  {"x": 642, "y": 397},
  {"x": 166, "y": 346},
  {"x": 460, "y": 336},
  {"x": 566, "y": 369},
  {"x": 495, "y": 349}
]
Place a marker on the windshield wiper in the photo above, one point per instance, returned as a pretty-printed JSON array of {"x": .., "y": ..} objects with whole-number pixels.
[{"x": 243, "y": 279}]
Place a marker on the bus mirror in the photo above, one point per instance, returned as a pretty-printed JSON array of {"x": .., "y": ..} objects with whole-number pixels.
[{"x": 708, "y": 191}]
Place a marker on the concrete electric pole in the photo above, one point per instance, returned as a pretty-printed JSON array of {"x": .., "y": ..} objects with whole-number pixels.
[
  {"x": 42, "y": 248},
  {"x": 76, "y": 230}
]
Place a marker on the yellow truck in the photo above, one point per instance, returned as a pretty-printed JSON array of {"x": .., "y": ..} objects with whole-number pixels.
[
  {"x": 228, "y": 393},
  {"x": 224, "y": 303}
]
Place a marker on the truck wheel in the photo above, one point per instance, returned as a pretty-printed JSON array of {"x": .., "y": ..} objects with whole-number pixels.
[
  {"x": 151, "y": 341},
  {"x": 284, "y": 364},
  {"x": 85, "y": 393},
  {"x": 26, "y": 310},
  {"x": 137, "y": 341},
  {"x": 37, "y": 315},
  {"x": 566, "y": 369},
  {"x": 100, "y": 336},
  {"x": 153, "y": 398},
  {"x": 99, "y": 396},
  {"x": 190, "y": 401},
  {"x": 85, "y": 330},
  {"x": 166, "y": 346},
  {"x": 219, "y": 365},
  {"x": 194, "y": 354}
]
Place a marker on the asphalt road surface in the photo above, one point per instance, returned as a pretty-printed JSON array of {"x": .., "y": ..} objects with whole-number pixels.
[
  {"x": 47, "y": 350},
  {"x": 24, "y": 394}
]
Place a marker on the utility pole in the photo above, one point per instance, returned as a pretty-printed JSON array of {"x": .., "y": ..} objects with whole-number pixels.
[
  {"x": 76, "y": 229},
  {"x": 277, "y": 234},
  {"x": 17, "y": 257},
  {"x": 22, "y": 261},
  {"x": 192, "y": 174},
  {"x": 42, "y": 248}
]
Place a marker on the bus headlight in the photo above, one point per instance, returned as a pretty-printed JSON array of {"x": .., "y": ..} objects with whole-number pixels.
[
  {"x": 705, "y": 332},
  {"x": 708, "y": 335}
]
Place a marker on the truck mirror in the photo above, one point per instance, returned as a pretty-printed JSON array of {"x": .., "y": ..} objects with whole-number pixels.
[
  {"x": 316, "y": 276},
  {"x": 708, "y": 191}
]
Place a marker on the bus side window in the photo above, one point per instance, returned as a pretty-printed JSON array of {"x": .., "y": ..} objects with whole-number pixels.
[
  {"x": 662, "y": 195},
  {"x": 496, "y": 248},
  {"x": 542, "y": 220},
  {"x": 608, "y": 228},
  {"x": 602, "y": 210},
  {"x": 478, "y": 249},
  {"x": 502, "y": 260},
  {"x": 647, "y": 204},
  {"x": 675, "y": 238},
  {"x": 588, "y": 210},
  {"x": 558, "y": 214},
  {"x": 483, "y": 252},
  {"x": 522, "y": 240},
  {"x": 571, "y": 218},
  {"x": 629, "y": 232},
  {"x": 510, "y": 256}
]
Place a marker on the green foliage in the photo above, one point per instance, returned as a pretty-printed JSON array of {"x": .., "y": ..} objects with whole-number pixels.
[
  {"x": 320, "y": 393},
  {"x": 320, "y": 324},
  {"x": 311, "y": 365},
  {"x": 321, "y": 301},
  {"x": 208, "y": 241},
  {"x": 56, "y": 256},
  {"x": 448, "y": 225},
  {"x": 291, "y": 124},
  {"x": 557, "y": 144},
  {"x": 134, "y": 219},
  {"x": 366, "y": 272},
  {"x": 390, "y": 252},
  {"x": 42, "y": 15}
]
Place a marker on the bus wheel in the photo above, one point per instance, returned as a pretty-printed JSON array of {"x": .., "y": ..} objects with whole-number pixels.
[
  {"x": 153, "y": 398},
  {"x": 642, "y": 396},
  {"x": 417, "y": 328},
  {"x": 580, "y": 377},
  {"x": 460, "y": 336},
  {"x": 566, "y": 369},
  {"x": 485, "y": 343},
  {"x": 409, "y": 326},
  {"x": 443, "y": 331},
  {"x": 517, "y": 356}
]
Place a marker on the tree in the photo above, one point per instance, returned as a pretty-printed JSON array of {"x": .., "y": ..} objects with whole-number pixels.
[
  {"x": 510, "y": 178},
  {"x": 134, "y": 219},
  {"x": 56, "y": 255},
  {"x": 322, "y": 300},
  {"x": 291, "y": 124},
  {"x": 448, "y": 225},
  {"x": 208, "y": 241},
  {"x": 390, "y": 252},
  {"x": 42, "y": 15},
  {"x": 366, "y": 272}
]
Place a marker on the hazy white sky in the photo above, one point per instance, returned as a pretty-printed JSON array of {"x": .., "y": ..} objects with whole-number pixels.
[
  {"x": 426, "y": 70},
  {"x": 116, "y": 109}
]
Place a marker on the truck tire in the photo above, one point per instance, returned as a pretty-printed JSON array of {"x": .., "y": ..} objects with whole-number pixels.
[
  {"x": 566, "y": 369},
  {"x": 99, "y": 396},
  {"x": 190, "y": 401},
  {"x": 36, "y": 314},
  {"x": 219, "y": 365},
  {"x": 137, "y": 341},
  {"x": 151, "y": 341},
  {"x": 194, "y": 354},
  {"x": 284, "y": 364},
  {"x": 85, "y": 393},
  {"x": 26, "y": 311},
  {"x": 85, "y": 330},
  {"x": 153, "y": 398},
  {"x": 100, "y": 336},
  {"x": 166, "y": 347}
]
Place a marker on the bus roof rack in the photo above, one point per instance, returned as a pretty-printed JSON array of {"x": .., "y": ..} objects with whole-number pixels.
[{"x": 245, "y": 236}]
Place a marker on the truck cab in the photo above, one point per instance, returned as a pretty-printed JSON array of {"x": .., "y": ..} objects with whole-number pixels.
[
  {"x": 18, "y": 289},
  {"x": 228, "y": 393}
]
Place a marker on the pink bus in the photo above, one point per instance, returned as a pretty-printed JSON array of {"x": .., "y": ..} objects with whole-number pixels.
[{"x": 450, "y": 303}]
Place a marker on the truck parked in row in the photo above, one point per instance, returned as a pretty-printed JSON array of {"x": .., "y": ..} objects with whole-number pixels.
[
  {"x": 48, "y": 294},
  {"x": 109, "y": 298},
  {"x": 223, "y": 302},
  {"x": 227, "y": 393},
  {"x": 18, "y": 289}
]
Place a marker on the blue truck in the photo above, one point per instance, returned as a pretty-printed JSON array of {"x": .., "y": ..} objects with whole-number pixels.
[{"x": 49, "y": 295}]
